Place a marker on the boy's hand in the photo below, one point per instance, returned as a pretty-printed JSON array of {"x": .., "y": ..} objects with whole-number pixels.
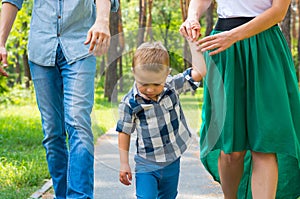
[
  {"x": 125, "y": 174},
  {"x": 3, "y": 61}
]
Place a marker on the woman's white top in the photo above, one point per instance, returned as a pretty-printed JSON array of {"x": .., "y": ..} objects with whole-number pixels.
[{"x": 242, "y": 8}]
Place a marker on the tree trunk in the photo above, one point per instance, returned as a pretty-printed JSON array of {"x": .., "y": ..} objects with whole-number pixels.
[
  {"x": 209, "y": 19},
  {"x": 286, "y": 27},
  {"x": 184, "y": 4},
  {"x": 121, "y": 45},
  {"x": 18, "y": 70},
  {"x": 142, "y": 21},
  {"x": 294, "y": 12},
  {"x": 26, "y": 70},
  {"x": 120, "y": 77},
  {"x": 111, "y": 75},
  {"x": 149, "y": 32},
  {"x": 298, "y": 45},
  {"x": 102, "y": 66},
  {"x": 18, "y": 79}
]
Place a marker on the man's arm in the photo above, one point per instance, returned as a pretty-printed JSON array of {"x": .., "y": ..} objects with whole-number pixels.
[
  {"x": 99, "y": 35},
  {"x": 8, "y": 16},
  {"x": 125, "y": 171}
]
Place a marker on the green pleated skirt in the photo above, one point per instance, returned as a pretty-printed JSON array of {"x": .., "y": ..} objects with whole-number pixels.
[{"x": 252, "y": 102}]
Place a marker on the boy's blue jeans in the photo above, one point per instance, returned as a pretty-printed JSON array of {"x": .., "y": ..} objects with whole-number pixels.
[
  {"x": 154, "y": 181},
  {"x": 65, "y": 96}
]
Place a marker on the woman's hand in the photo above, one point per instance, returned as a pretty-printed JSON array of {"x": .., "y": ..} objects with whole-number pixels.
[
  {"x": 217, "y": 43},
  {"x": 190, "y": 29}
]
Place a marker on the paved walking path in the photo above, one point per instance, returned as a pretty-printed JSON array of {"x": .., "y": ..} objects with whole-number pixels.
[{"x": 194, "y": 182}]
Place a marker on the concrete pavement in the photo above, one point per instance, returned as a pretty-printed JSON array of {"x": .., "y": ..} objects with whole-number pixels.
[{"x": 194, "y": 182}]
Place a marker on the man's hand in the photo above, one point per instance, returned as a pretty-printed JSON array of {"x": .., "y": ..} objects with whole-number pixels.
[
  {"x": 3, "y": 61},
  {"x": 99, "y": 38}
]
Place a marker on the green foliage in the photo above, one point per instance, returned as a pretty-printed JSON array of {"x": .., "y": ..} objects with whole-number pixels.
[
  {"x": 3, "y": 86},
  {"x": 295, "y": 55},
  {"x": 18, "y": 38},
  {"x": 16, "y": 44},
  {"x": 16, "y": 96}
]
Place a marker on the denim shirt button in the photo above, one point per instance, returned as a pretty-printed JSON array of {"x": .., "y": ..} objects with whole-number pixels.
[
  {"x": 59, "y": 16},
  {"x": 58, "y": 34}
]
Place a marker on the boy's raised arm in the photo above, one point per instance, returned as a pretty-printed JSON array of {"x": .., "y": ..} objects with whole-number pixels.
[
  {"x": 125, "y": 174},
  {"x": 198, "y": 63}
]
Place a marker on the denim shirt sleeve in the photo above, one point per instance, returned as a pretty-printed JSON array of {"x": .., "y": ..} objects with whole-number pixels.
[
  {"x": 17, "y": 3},
  {"x": 114, "y": 5}
]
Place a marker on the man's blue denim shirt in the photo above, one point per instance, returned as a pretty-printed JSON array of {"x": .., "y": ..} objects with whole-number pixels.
[{"x": 63, "y": 22}]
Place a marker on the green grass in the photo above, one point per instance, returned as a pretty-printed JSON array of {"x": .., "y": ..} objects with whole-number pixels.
[
  {"x": 191, "y": 106},
  {"x": 104, "y": 115},
  {"x": 22, "y": 157}
]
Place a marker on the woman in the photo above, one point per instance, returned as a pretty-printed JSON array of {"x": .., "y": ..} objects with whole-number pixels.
[{"x": 250, "y": 136}]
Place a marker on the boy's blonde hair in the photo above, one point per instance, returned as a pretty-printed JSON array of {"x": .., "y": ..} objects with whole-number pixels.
[{"x": 152, "y": 56}]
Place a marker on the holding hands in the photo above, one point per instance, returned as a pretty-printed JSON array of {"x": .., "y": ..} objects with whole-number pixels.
[{"x": 190, "y": 29}]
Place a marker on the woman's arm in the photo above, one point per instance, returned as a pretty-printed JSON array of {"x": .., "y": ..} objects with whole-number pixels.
[
  {"x": 125, "y": 174},
  {"x": 190, "y": 29},
  {"x": 267, "y": 19},
  {"x": 197, "y": 8}
]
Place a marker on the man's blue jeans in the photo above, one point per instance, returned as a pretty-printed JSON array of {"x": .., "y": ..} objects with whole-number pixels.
[
  {"x": 65, "y": 97},
  {"x": 156, "y": 181}
]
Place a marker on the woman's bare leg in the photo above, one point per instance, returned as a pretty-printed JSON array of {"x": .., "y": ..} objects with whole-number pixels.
[
  {"x": 264, "y": 175},
  {"x": 231, "y": 167}
]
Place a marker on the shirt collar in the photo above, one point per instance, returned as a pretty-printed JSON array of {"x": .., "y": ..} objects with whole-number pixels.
[{"x": 137, "y": 95}]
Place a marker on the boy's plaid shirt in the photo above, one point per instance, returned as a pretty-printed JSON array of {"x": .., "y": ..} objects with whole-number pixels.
[{"x": 162, "y": 131}]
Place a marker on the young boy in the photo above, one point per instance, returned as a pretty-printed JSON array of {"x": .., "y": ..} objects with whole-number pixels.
[{"x": 152, "y": 109}]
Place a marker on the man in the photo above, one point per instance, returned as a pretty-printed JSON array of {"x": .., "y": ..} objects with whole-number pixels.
[{"x": 63, "y": 37}]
